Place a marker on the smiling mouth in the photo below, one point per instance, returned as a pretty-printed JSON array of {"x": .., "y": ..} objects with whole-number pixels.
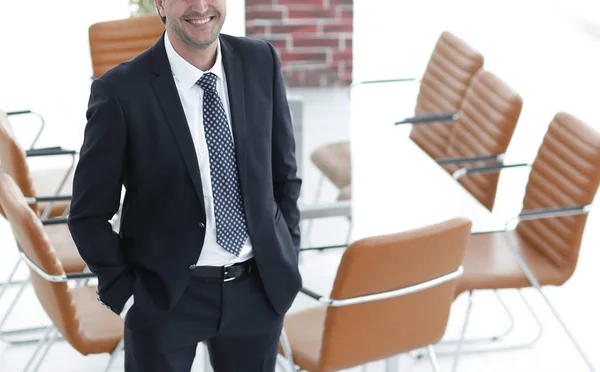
[{"x": 200, "y": 21}]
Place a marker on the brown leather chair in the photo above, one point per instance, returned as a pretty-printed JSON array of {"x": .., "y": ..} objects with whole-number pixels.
[
  {"x": 75, "y": 312},
  {"x": 392, "y": 294},
  {"x": 543, "y": 248},
  {"x": 116, "y": 41},
  {"x": 13, "y": 161},
  {"x": 47, "y": 182},
  {"x": 486, "y": 122},
  {"x": 448, "y": 74}
]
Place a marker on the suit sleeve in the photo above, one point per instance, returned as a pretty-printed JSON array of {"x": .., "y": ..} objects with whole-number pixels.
[
  {"x": 97, "y": 186},
  {"x": 286, "y": 182}
]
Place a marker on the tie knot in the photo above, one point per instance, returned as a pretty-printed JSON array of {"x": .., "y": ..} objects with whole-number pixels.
[{"x": 208, "y": 81}]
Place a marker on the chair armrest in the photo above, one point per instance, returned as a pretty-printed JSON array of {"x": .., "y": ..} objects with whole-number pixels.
[
  {"x": 323, "y": 248},
  {"x": 56, "y": 278},
  {"x": 384, "y": 295},
  {"x": 429, "y": 118},
  {"x": 486, "y": 169},
  {"x": 21, "y": 112},
  {"x": 54, "y": 221},
  {"x": 541, "y": 213},
  {"x": 48, "y": 151},
  {"x": 383, "y": 81},
  {"x": 336, "y": 209},
  {"x": 41, "y": 199},
  {"x": 29, "y": 112},
  {"x": 470, "y": 159}
]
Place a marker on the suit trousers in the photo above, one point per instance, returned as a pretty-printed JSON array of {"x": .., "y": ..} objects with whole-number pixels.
[{"x": 234, "y": 319}]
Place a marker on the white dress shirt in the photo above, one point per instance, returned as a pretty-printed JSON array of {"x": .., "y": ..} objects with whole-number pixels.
[{"x": 191, "y": 95}]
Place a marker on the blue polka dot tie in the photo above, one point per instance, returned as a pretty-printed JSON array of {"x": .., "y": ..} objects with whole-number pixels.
[{"x": 229, "y": 206}]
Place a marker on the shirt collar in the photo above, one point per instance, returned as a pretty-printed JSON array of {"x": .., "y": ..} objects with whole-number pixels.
[{"x": 186, "y": 73}]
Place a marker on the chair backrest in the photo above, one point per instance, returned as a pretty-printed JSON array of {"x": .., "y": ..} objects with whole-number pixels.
[
  {"x": 13, "y": 160},
  {"x": 358, "y": 334},
  {"x": 113, "y": 42},
  {"x": 448, "y": 74},
  {"x": 487, "y": 120},
  {"x": 54, "y": 297},
  {"x": 565, "y": 173}
]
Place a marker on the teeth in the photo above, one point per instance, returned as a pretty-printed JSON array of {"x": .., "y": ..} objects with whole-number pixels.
[{"x": 200, "y": 21}]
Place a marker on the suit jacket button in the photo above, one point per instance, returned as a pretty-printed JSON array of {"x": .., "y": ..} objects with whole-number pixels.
[{"x": 201, "y": 225}]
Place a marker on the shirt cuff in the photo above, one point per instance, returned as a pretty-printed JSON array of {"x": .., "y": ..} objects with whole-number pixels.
[{"x": 127, "y": 306}]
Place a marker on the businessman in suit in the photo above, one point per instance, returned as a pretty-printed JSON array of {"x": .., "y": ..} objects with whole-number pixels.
[{"x": 198, "y": 132}]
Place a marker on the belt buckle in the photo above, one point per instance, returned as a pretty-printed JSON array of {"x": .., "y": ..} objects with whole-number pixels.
[{"x": 225, "y": 273}]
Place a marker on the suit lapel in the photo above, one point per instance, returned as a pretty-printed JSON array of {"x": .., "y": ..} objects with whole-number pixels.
[
  {"x": 237, "y": 105},
  {"x": 166, "y": 92}
]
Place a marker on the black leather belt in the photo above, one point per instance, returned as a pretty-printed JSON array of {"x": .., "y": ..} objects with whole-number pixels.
[{"x": 225, "y": 273}]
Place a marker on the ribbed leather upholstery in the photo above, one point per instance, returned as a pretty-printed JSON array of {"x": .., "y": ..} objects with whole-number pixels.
[
  {"x": 452, "y": 65},
  {"x": 117, "y": 41},
  {"x": 76, "y": 313},
  {"x": 447, "y": 77},
  {"x": 486, "y": 123},
  {"x": 336, "y": 338},
  {"x": 565, "y": 173}
]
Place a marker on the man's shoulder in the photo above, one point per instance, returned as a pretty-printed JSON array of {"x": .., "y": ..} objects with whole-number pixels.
[
  {"x": 244, "y": 44},
  {"x": 128, "y": 73}
]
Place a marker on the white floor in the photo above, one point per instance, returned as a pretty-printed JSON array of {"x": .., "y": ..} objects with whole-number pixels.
[{"x": 325, "y": 121}]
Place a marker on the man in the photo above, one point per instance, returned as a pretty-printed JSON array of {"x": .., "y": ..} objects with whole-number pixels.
[{"x": 198, "y": 131}]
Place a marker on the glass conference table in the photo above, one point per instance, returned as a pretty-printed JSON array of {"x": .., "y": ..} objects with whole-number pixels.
[{"x": 396, "y": 186}]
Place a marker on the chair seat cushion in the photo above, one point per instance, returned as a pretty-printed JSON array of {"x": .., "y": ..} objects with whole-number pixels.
[
  {"x": 100, "y": 329},
  {"x": 66, "y": 251},
  {"x": 489, "y": 263},
  {"x": 333, "y": 160},
  {"x": 46, "y": 182}
]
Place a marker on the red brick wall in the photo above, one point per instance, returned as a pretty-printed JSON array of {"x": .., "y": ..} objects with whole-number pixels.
[{"x": 312, "y": 37}]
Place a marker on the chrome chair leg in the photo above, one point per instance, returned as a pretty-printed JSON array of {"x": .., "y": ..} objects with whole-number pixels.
[
  {"x": 488, "y": 338},
  {"x": 10, "y": 281},
  {"x": 40, "y": 344},
  {"x": 536, "y": 284},
  {"x": 115, "y": 355},
  {"x": 13, "y": 303},
  {"x": 287, "y": 350},
  {"x": 54, "y": 335},
  {"x": 463, "y": 332},
  {"x": 567, "y": 331},
  {"x": 435, "y": 364},
  {"x": 483, "y": 348}
]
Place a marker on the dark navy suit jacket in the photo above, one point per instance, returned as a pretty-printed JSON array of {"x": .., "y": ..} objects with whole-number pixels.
[{"x": 137, "y": 136}]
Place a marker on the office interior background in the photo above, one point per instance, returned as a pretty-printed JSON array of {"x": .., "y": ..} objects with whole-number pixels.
[{"x": 546, "y": 50}]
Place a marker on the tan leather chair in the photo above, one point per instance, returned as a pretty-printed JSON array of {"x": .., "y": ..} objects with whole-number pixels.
[
  {"x": 13, "y": 161},
  {"x": 448, "y": 74},
  {"x": 75, "y": 312},
  {"x": 486, "y": 122},
  {"x": 382, "y": 303},
  {"x": 543, "y": 248},
  {"x": 117, "y": 41},
  {"x": 47, "y": 182}
]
